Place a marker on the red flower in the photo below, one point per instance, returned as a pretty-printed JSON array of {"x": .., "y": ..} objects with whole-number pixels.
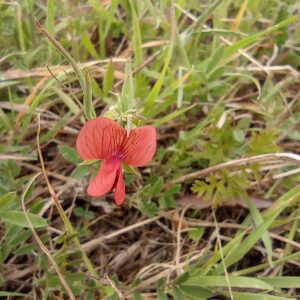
[{"x": 105, "y": 139}]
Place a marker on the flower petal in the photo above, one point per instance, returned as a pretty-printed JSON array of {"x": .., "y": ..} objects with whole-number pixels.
[
  {"x": 99, "y": 138},
  {"x": 120, "y": 189},
  {"x": 105, "y": 180},
  {"x": 138, "y": 149}
]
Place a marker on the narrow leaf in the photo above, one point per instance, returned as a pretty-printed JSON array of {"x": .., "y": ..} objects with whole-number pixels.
[
  {"x": 108, "y": 79},
  {"x": 235, "y": 281},
  {"x": 256, "y": 296},
  {"x": 255, "y": 37},
  {"x": 127, "y": 95},
  {"x": 69, "y": 154},
  {"x": 88, "y": 99},
  {"x": 258, "y": 219},
  {"x": 173, "y": 115},
  {"x": 50, "y": 16},
  {"x": 7, "y": 198},
  {"x": 18, "y": 218},
  {"x": 11, "y": 294}
]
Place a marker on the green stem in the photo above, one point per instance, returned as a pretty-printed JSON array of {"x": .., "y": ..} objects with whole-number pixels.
[{"x": 83, "y": 81}]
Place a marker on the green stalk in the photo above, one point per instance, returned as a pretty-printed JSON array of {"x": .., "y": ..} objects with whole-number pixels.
[{"x": 85, "y": 86}]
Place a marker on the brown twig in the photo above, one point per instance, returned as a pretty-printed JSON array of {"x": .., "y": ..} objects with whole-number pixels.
[
  {"x": 61, "y": 211},
  {"x": 235, "y": 163},
  {"x": 91, "y": 245},
  {"x": 30, "y": 98},
  {"x": 42, "y": 246}
]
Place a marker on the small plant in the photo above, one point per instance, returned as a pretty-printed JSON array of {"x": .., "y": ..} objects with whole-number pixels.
[{"x": 193, "y": 106}]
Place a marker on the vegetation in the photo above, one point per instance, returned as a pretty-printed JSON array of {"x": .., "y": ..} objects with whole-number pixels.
[{"x": 216, "y": 213}]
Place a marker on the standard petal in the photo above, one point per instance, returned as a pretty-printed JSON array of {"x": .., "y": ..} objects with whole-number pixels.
[
  {"x": 105, "y": 180},
  {"x": 99, "y": 138},
  {"x": 120, "y": 189},
  {"x": 138, "y": 149}
]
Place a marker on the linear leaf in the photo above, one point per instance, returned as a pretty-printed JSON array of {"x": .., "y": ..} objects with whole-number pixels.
[
  {"x": 19, "y": 218},
  {"x": 235, "y": 281},
  {"x": 282, "y": 281},
  {"x": 88, "y": 97},
  {"x": 255, "y": 37},
  {"x": 173, "y": 115},
  {"x": 258, "y": 219},
  {"x": 256, "y": 296},
  {"x": 11, "y": 294},
  {"x": 108, "y": 79}
]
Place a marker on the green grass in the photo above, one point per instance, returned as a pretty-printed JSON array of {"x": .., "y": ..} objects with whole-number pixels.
[{"x": 216, "y": 213}]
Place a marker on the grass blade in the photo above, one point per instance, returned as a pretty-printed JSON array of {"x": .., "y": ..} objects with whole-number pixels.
[
  {"x": 228, "y": 51},
  {"x": 85, "y": 86},
  {"x": 173, "y": 115},
  {"x": 88, "y": 98},
  {"x": 220, "y": 281},
  {"x": 238, "y": 253},
  {"x": 150, "y": 100},
  {"x": 50, "y": 16},
  {"x": 258, "y": 219},
  {"x": 127, "y": 95}
]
